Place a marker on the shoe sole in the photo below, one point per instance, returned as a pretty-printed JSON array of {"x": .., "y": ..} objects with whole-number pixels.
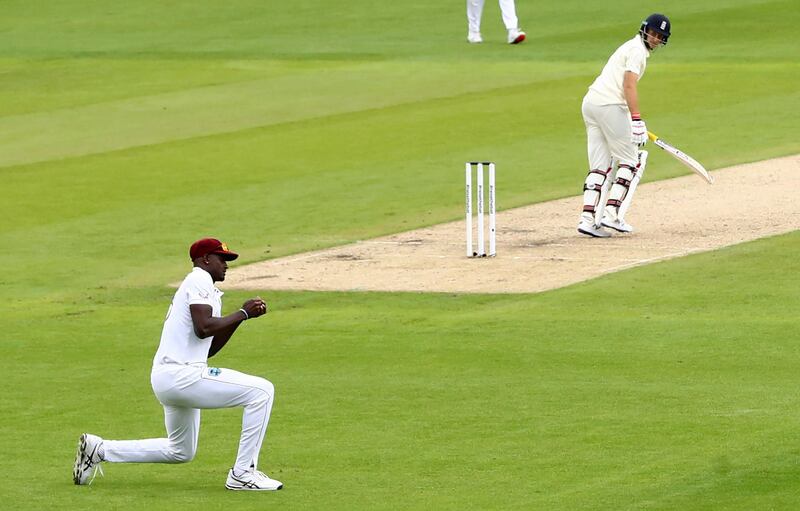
[
  {"x": 593, "y": 235},
  {"x": 77, "y": 469},
  {"x": 519, "y": 39},
  {"x": 244, "y": 488}
]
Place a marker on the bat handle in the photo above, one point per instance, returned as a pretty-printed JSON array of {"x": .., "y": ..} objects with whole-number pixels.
[{"x": 652, "y": 136}]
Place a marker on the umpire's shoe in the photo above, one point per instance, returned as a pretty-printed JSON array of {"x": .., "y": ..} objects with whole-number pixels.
[
  {"x": 87, "y": 459},
  {"x": 252, "y": 480}
]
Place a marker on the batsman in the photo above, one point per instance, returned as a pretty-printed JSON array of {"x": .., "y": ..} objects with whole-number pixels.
[{"x": 616, "y": 132}]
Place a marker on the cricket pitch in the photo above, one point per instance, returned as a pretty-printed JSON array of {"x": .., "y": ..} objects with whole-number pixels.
[{"x": 538, "y": 246}]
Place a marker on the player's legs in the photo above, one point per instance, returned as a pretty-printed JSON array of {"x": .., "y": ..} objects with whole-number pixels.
[
  {"x": 617, "y": 129},
  {"x": 180, "y": 446},
  {"x": 509, "y": 13},
  {"x": 474, "y": 11},
  {"x": 226, "y": 388},
  {"x": 182, "y": 398},
  {"x": 597, "y": 182}
]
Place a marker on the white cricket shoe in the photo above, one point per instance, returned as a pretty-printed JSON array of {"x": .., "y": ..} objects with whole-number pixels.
[
  {"x": 618, "y": 224},
  {"x": 474, "y": 37},
  {"x": 87, "y": 459},
  {"x": 252, "y": 480},
  {"x": 588, "y": 228},
  {"x": 515, "y": 36}
]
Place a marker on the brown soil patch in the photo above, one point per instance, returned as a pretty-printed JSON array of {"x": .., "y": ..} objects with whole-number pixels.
[{"x": 538, "y": 247}]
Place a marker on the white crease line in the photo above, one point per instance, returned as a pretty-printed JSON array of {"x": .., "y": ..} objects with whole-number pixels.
[
  {"x": 355, "y": 258},
  {"x": 327, "y": 256},
  {"x": 460, "y": 257}
]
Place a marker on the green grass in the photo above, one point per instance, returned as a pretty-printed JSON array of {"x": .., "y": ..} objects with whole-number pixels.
[
  {"x": 674, "y": 395},
  {"x": 128, "y": 131}
]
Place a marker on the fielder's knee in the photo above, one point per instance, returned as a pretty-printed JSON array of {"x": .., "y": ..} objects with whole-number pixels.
[
  {"x": 266, "y": 390},
  {"x": 181, "y": 455}
]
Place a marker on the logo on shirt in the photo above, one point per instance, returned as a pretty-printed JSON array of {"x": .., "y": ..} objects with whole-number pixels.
[{"x": 214, "y": 371}]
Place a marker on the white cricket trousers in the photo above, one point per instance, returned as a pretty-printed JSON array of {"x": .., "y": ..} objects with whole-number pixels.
[
  {"x": 608, "y": 134},
  {"x": 184, "y": 390},
  {"x": 475, "y": 10}
]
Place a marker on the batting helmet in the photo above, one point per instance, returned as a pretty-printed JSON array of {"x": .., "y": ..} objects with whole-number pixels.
[{"x": 659, "y": 24}]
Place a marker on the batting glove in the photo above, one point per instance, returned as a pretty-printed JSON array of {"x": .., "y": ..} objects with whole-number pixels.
[{"x": 638, "y": 131}]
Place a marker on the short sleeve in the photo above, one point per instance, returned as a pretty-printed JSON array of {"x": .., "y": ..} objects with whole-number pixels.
[
  {"x": 199, "y": 292},
  {"x": 634, "y": 61}
]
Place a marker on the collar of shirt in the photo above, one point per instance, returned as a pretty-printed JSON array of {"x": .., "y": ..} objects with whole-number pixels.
[{"x": 644, "y": 46}]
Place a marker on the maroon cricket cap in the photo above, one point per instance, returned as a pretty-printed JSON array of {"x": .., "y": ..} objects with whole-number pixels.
[{"x": 207, "y": 246}]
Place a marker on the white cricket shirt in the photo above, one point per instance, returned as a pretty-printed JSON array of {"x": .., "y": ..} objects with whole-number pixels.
[
  {"x": 607, "y": 88},
  {"x": 179, "y": 344}
]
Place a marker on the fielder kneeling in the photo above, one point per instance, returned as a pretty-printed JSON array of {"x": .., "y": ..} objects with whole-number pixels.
[
  {"x": 195, "y": 330},
  {"x": 615, "y": 130}
]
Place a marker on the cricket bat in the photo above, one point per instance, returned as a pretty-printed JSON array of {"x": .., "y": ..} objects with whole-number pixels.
[{"x": 681, "y": 157}]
